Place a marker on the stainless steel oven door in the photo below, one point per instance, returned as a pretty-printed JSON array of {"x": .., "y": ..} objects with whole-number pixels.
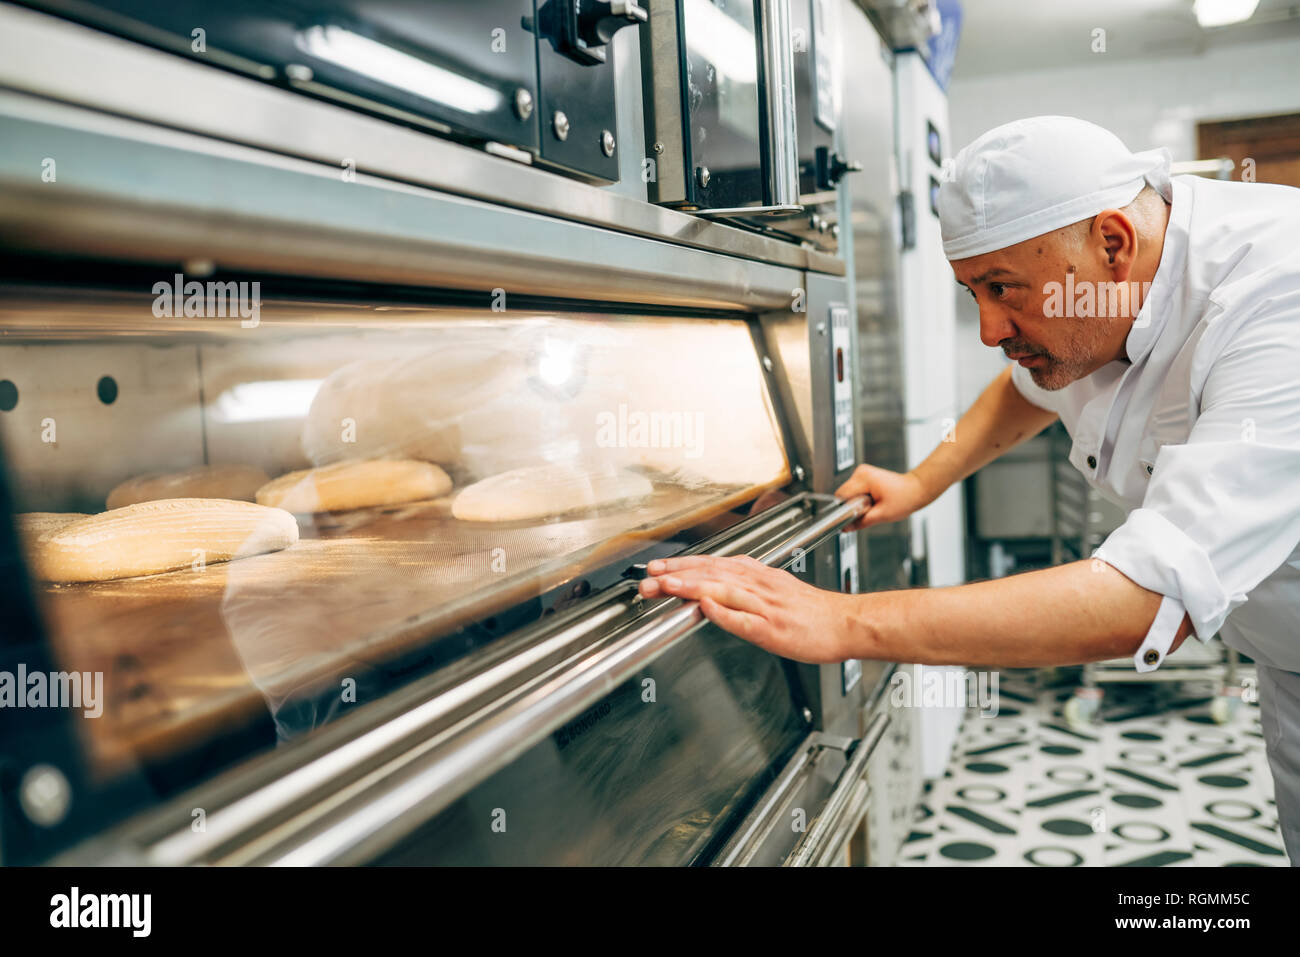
[{"x": 720, "y": 106}]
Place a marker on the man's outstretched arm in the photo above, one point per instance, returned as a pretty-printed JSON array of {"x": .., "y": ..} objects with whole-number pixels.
[{"x": 1070, "y": 614}]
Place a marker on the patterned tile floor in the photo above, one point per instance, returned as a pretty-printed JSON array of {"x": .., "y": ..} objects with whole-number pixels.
[{"x": 1157, "y": 783}]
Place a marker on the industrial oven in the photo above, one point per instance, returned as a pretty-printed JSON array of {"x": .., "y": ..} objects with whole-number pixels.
[{"x": 280, "y": 239}]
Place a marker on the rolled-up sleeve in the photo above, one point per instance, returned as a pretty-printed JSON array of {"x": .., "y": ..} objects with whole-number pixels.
[{"x": 1222, "y": 511}]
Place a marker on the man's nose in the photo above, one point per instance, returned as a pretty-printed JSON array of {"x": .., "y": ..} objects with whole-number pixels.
[{"x": 995, "y": 325}]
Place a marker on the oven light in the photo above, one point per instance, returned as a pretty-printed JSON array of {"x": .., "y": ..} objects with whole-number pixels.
[
  {"x": 722, "y": 41},
  {"x": 262, "y": 401},
  {"x": 555, "y": 364},
  {"x": 397, "y": 69}
]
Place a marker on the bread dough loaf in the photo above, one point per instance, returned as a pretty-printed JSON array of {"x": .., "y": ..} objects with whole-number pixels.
[
  {"x": 159, "y": 536},
  {"x": 541, "y": 491},
  {"x": 238, "y": 482},
  {"x": 347, "y": 485},
  {"x": 32, "y": 525}
]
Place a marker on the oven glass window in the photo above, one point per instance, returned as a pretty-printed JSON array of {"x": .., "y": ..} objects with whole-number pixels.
[{"x": 360, "y": 495}]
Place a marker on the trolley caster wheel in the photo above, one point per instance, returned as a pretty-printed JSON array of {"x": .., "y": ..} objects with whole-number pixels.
[
  {"x": 1225, "y": 705},
  {"x": 1082, "y": 708}
]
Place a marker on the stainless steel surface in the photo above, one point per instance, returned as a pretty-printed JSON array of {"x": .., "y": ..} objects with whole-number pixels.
[
  {"x": 848, "y": 802},
  {"x": 249, "y": 210},
  {"x": 766, "y": 836},
  {"x": 904, "y": 23},
  {"x": 739, "y": 212},
  {"x": 662, "y": 99},
  {"x": 786, "y": 334},
  {"x": 870, "y": 244},
  {"x": 896, "y": 778},
  {"x": 400, "y": 801},
  {"x": 634, "y": 155},
  {"x": 781, "y": 190},
  {"x": 66, "y": 62}
]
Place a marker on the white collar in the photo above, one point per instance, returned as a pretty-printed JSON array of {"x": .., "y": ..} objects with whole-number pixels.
[{"x": 1169, "y": 276}]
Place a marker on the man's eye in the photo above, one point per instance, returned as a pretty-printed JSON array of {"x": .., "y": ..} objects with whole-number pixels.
[{"x": 998, "y": 288}]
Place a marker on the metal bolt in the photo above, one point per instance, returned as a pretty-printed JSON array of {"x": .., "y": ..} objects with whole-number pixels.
[
  {"x": 523, "y": 103},
  {"x": 767, "y": 363},
  {"x": 703, "y": 175},
  {"x": 821, "y": 328},
  {"x": 659, "y": 147},
  {"x": 799, "y": 473},
  {"x": 45, "y": 795},
  {"x": 807, "y": 715},
  {"x": 298, "y": 73},
  {"x": 560, "y": 123},
  {"x": 607, "y": 142}
]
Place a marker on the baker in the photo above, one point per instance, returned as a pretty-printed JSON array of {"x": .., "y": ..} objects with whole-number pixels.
[{"x": 1159, "y": 320}]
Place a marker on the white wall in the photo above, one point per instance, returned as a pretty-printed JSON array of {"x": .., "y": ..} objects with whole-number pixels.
[{"x": 1146, "y": 103}]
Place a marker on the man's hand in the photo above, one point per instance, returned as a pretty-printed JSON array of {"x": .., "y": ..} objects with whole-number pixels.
[
  {"x": 895, "y": 495},
  {"x": 1069, "y": 614},
  {"x": 764, "y": 605}
]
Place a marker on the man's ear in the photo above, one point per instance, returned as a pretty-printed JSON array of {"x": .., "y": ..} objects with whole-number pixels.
[{"x": 1115, "y": 233}]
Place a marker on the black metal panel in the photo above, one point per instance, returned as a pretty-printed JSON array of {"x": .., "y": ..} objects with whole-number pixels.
[
  {"x": 461, "y": 64},
  {"x": 632, "y": 780},
  {"x": 584, "y": 95}
]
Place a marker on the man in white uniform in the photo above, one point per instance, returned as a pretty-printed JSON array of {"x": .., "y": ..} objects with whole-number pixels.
[{"x": 1159, "y": 320}]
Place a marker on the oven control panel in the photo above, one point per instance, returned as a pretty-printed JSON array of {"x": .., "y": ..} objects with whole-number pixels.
[{"x": 842, "y": 385}]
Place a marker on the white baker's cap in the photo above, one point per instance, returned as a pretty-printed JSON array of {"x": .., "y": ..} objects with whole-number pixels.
[{"x": 1037, "y": 175}]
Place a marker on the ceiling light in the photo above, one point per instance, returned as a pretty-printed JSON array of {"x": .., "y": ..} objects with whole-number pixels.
[{"x": 1220, "y": 13}]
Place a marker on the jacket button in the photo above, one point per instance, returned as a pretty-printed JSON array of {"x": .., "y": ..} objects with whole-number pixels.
[
  {"x": 1151, "y": 657},
  {"x": 1092, "y": 461}
]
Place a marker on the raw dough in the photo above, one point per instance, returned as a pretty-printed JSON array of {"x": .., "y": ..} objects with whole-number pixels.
[
  {"x": 239, "y": 482},
  {"x": 159, "y": 536},
  {"x": 346, "y": 485},
  {"x": 540, "y": 491},
  {"x": 32, "y": 525}
]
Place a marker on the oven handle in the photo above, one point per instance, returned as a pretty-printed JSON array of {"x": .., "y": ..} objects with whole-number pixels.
[
  {"x": 782, "y": 186},
  {"x": 413, "y": 794},
  {"x": 828, "y": 835}
]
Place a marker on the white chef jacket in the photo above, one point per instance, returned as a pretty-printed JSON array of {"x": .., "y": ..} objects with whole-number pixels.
[{"x": 1198, "y": 435}]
